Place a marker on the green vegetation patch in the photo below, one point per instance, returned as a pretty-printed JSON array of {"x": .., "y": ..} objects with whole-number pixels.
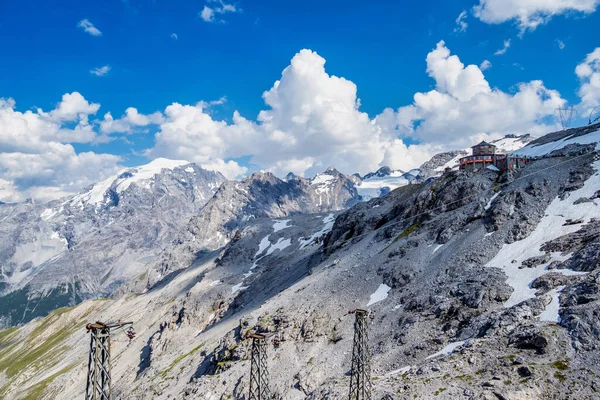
[
  {"x": 561, "y": 365},
  {"x": 34, "y": 353},
  {"x": 465, "y": 378},
  {"x": 560, "y": 376},
  {"x": 163, "y": 374},
  {"x": 6, "y": 334},
  {"x": 36, "y": 391},
  {"x": 407, "y": 231}
]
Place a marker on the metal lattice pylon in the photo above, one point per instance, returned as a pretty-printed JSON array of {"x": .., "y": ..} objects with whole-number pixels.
[
  {"x": 565, "y": 115},
  {"x": 98, "y": 379},
  {"x": 360, "y": 379},
  {"x": 259, "y": 374}
]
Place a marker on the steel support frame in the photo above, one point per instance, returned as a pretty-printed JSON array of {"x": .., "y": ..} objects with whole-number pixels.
[
  {"x": 360, "y": 377},
  {"x": 99, "y": 377},
  {"x": 259, "y": 374}
]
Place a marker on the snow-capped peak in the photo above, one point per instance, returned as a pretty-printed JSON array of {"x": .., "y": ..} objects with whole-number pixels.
[
  {"x": 124, "y": 178},
  {"x": 383, "y": 181}
]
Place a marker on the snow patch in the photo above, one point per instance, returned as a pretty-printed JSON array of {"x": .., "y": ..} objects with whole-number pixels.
[
  {"x": 439, "y": 246},
  {"x": 48, "y": 213},
  {"x": 280, "y": 225},
  {"x": 489, "y": 203},
  {"x": 328, "y": 221},
  {"x": 550, "y": 313},
  {"x": 262, "y": 246},
  {"x": 448, "y": 349},
  {"x": 238, "y": 287},
  {"x": 380, "y": 294},
  {"x": 399, "y": 371},
  {"x": 280, "y": 245}
]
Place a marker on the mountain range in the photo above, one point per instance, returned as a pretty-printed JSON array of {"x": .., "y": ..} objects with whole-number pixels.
[{"x": 479, "y": 285}]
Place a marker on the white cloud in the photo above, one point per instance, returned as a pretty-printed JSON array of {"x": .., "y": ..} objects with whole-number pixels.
[
  {"x": 486, "y": 64},
  {"x": 529, "y": 14},
  {"x": 72, "y": 107},
  {"x": 463, "y": 108},
  {"x": 313, "y": 120},
  {"x": 100, "y": 71},
  {"x": 174, "y": 36},
  {"x": 560, "y": 44},
  {"x": 88, "y": 27},
  {"x": 588, "y": 72},
  {"x": 505, "y": 47},
  {"x": 36, "y": 156},
  {"x": 208, "y": 14},
  {"x": 461, "y": 24},
  {"x": 208, "y": 104},
  {"x": 129, "y": 122}
]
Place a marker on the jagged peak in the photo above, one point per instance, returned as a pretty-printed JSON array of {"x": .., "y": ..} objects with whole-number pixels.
[{"x": 122, "y": 180}]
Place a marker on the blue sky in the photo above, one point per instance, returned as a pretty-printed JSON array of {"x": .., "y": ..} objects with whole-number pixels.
[{"x": 163, "y": 52}]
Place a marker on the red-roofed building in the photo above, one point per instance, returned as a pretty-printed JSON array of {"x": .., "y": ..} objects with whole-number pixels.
[{"x": 484, "y": 155}]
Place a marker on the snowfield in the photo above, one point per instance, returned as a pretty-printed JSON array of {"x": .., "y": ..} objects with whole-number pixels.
[
  {"x": 511, "y": 256},
  {"x": 547, "y": 148}
]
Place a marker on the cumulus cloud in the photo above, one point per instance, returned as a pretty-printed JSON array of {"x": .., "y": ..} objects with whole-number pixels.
[
  {"x": 36, "y": 157},
  {"x": 312, "y": 121},
  {"x": 486, "y": 64},
  {"x": 129, "y": 122},
  {"x": 560, "y": 44},
  {"x": 529, "y": 14},
  {"x": 461, "y": 24},
  {"x": 504, "y": 48},
  {"x": 588, "y": 72},
  {"x": 463, "y": 108},
  {"x": 100, "y": 71},
  {"x": 88, "y": 27}
]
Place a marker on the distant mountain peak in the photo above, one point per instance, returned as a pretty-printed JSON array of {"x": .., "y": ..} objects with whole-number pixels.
[
  {"x": 99, "y": 192},
  {"x": 383, "y": 172}
]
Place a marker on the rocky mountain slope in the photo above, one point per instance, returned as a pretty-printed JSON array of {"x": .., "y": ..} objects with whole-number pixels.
[
  {"x": 83, "y": 246},
  {"x": 261, "y": 195},
  {"x": 479, "y": 285}
]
